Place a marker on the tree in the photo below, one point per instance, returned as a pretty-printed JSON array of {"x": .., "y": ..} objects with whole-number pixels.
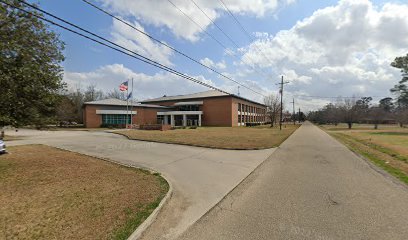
[
  {"x": 387, "y": 104},
  {"x": 115, "y": 93},
  {"x": 401, "y": 89},
  {"x": 349, "y": 111},
  {"x": 377, "y": 115},
  {"x": 273, "y": 107},
  {"x": 30, "y": 71},
  {"x": 92, "y": 94}
]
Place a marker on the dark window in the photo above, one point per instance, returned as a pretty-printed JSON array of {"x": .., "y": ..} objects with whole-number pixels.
[{"x": 115, "y": 119}]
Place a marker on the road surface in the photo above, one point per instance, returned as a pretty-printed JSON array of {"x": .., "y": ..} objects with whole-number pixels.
[{"x": 312, "y": 187}]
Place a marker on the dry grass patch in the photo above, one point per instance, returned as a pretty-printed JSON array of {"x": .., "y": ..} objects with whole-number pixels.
[
  {"x": 47, "y": 193},
  {"x": 259, "y": 137}
]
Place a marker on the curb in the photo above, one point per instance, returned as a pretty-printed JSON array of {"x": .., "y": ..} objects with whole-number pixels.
[
  {"x": 152, "y": 217},
  {"x": 149, "y": 220}
]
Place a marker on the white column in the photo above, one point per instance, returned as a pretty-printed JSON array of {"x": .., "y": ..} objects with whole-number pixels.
[
  {"x": 172, "y": 120},
  {"x": 166, "y": 119},
  {"x": 199, "y": 120},
  {"x": 184, "y": 120}
]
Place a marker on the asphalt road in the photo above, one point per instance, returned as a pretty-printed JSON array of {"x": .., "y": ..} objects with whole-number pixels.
[
  {"x": 200, "y": 177},
  {"x": 312, "y": 187}
]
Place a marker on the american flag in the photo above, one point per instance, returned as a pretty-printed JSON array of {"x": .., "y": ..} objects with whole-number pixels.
[{"x": 123, "y": 86}]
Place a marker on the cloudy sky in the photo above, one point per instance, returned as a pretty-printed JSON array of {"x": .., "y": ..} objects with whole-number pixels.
[{"x": 324, "y": 48}]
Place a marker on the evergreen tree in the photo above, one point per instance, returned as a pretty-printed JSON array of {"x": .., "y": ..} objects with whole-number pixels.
[{"x": 30, "y": 71}]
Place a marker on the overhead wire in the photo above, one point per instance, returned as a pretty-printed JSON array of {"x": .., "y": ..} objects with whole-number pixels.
[
  {"x": 168, "y": 46},
  {"x": 214, "y": 38},
  {"x": 117, "y": 48}
]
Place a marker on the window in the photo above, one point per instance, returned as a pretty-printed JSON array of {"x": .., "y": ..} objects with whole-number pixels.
[
  {"x": 239, "y": 107},
  {"x": 160, "y": 119},
  {"x": 189, "y": 108},
  {"x": 115, "y": 119}
]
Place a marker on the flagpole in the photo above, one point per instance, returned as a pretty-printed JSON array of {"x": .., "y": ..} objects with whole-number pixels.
[
  {"x": 127, "y": 104},
  {"x": 131, "y": 109}
]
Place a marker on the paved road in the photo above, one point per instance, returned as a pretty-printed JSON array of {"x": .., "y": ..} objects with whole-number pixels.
[
  {"x": 312, "y": 187},
  {"x": 200, "y": 177}
]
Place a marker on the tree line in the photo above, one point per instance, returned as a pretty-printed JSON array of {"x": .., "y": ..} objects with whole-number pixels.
[{"x": 363, "y": 110}]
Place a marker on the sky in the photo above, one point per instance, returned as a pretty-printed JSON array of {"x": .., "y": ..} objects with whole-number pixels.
[{"x": 323, "y": 48}]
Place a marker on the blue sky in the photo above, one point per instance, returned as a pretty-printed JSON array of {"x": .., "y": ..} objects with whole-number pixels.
[{"x": 325, "y": 48}]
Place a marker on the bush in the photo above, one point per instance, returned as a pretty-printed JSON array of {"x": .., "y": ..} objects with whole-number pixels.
[{"x": 193, "y": 127}]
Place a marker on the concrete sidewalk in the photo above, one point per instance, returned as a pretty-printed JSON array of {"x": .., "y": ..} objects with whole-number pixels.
[
  {"x": 200, "y": 177},
  {"x": 312, "y": 187}
]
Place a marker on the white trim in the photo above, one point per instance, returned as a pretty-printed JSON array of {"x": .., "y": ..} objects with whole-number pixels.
[
  {"x": 188, "y": 103},
  {"x": 180, "y": 113},
  {"x": 102, "y": 111}
]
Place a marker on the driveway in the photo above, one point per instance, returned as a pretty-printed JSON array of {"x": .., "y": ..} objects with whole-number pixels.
[
  {"x": 311, "y": 187},
  {"x": 200, "y": 177}
]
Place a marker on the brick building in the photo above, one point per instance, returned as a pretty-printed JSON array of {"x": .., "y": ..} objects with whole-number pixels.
[{"x": 210, "y": 108}]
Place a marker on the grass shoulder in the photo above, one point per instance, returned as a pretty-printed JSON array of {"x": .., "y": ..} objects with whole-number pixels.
[
  {"x": 52, "y": 193},
  {"x": 386, "y": 147},
  {"x": 244, "y": 138}
]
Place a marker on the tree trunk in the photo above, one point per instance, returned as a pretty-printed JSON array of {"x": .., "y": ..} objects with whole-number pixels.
[
  {"x": 375, "y": 126},
  {"x": 349, "y": 125}
]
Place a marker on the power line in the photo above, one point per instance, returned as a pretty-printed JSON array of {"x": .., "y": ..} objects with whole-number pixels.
[
  {"x": 214, "y": 38},
  {"x": 168, "y": 46},
  {"x": 215, "y": 24},
  {"x": 198, "y": 25},
  {"x": 118, "y": 48},
  {"x": 227, "y": 36},
  {"x": 251, "y": 39}
]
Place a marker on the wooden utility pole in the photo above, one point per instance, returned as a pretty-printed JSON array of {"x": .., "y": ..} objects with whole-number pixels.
[
  {"x": 293, "y": 113},
  {"x": 281, "y": 106},
  {"x": 299, "y": 115}
]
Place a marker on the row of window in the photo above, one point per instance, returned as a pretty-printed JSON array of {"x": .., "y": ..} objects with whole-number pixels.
[
  {"x": 246, "y": 118},
  {"x": 115, "y": 119},
  {"x": 251, "y": 109}
]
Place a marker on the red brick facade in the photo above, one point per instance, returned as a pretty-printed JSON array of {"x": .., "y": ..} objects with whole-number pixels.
[{"x": 216, "y": 111}]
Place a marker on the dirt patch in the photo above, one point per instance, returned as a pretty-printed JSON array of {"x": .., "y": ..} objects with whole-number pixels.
[{"x": 55, "y": 194}]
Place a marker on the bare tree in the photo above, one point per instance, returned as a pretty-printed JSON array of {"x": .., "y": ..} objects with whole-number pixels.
[
  {"x": 92, "y": 94},
  {"x": 115, "y": 93},
  {"x": 349, "y": 111},
  {"x": 377, "y": 115},
  {"x": 273, "y": 107}
]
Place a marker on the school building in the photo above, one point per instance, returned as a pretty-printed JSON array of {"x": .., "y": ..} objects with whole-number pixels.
[{"x": 210, "y": 108}]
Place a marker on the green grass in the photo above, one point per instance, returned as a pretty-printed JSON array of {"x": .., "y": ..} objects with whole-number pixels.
[
  {"x": 372, "y": 156},
  {"x": 137, "y": 218}
]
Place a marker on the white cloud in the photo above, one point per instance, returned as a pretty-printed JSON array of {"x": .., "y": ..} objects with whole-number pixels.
[
  {"x": 210, "y": 63},
  {"x": 109, "y": 77},
  {"x": 125, "y": 36},
  {"x": 161, "y": 13},
  {"x": 343, "y": 50}
]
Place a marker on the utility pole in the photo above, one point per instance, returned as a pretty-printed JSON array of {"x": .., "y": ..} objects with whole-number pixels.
[
  {"x": 299, "y": 115},
  {"x": 281, "y": 107},
  {"x": 238, "y": 91},
  {"x": 293, "y": 113}
]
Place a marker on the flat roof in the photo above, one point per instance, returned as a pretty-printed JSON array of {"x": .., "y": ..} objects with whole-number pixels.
[
  {"x": 118, "y": 102},
  {"x": 199, "y": 95}
]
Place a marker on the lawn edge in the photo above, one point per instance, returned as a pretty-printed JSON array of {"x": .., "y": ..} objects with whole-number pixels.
[
  {"x": 152, "y": 217},
  {"x": 383, "y": 172},
  {"x": 198, "y": 145}
]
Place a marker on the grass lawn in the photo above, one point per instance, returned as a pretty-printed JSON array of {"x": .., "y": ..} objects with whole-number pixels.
[
  {"x": 259, "y": 137},
  {"x": 387, "y": 146},
  {"x": 47, "y": 193}
]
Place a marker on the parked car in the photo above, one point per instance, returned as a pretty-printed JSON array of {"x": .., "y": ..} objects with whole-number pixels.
[{"x": 2, "y": 146}]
